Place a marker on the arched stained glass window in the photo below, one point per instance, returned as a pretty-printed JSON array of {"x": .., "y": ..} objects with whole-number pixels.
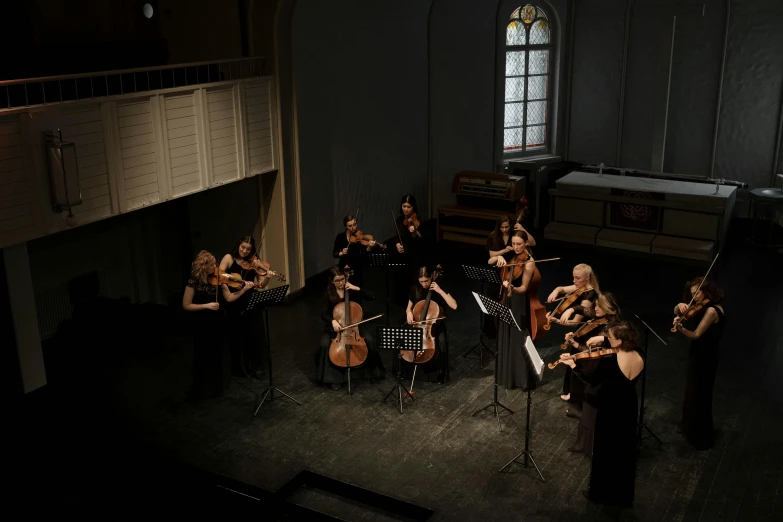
[{"x": 529, "y": 51}]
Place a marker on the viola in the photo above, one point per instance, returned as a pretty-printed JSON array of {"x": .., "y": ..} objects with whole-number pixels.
[
  {"x": 565, "y": 304},
  {"x": 586, "y": 329},
  {"x": 692, "y": 310},
  {"x": 425, "y": 312},
  {"x": 589, "y": 354},
  {"x": 511, "y": 271},
  {"x": 222, "y": 278},
  {"x": 348, "y": 349},
  {"x": 262, "y": 268},
  {"x": 412, "y": 221},
  {"x": 363, "y": 239}
]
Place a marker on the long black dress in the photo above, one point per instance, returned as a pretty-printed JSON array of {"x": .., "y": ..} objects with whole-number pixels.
[
  {"x": 697, "y": 423},
  {"x": 586, "y": 430},
  {"x": 613, "y": 471},
  {"x": 416, "y": 255},
  {"x": 211, "y": 365},
  {"x": 246, "y": 327},
  {"x": 440, "y": 363},
  {"x": 513, "y": 370},
  {"x": 328, "y": 373},
  {"x": 354, "y": 258},
  {"x": 577, "y": 394}
]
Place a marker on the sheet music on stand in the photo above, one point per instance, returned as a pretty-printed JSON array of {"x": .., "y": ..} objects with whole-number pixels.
[
  {"x": 402, "y": 338},
  {"x": 267, "y": 297},
  {"x": 383, "y": 259},
  {"x": 534, "y": 359},
  {"x": 482, "y": 275},
  {"x": 489, "y": 275},
  {"x": 495, "y": 309}
]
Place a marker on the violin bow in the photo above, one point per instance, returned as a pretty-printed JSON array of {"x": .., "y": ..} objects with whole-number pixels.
[
  {"x": 396, "y": 228},
  {"x": 360, "y": 322},
  {"x": 703, "y": 279},
  {"x": 533, "y": 261}
]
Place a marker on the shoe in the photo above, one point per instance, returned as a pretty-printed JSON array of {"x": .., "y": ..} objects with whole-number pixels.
[{"x": 565, "y": 397}]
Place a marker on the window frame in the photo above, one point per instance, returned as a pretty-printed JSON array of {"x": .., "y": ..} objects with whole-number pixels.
[{"x": 549, "y": 120}]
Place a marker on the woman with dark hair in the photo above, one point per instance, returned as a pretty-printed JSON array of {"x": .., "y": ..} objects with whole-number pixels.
[
  {"x": 441, "y": 296},
  {"x": 613, "y": 469},
  {"x": 350, "y": 254},
  {"x": 410, "y": 247},
  {"x": 697, "y": 423},
  {"x": 512, "y": 367},
  {"x": 246, "y": 328},
  {"x": 326, "y": 372},
  {"x": 211, "y": 376},
  {"x": 584, "y": 397}
]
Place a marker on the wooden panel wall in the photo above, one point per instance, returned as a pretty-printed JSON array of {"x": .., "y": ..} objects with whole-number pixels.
[
  {"x": 182, "y": 144},
  {"x": 259, "y": 124},
  {"x": 16, "y": 213},
  {"x": 138, "y": 175},
  {"x": 223, "y": 154}
]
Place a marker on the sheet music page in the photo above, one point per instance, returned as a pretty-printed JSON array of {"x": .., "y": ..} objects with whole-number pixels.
[
  {"x": 481, "y": 305},
  {"x": 538, "y": 364}
]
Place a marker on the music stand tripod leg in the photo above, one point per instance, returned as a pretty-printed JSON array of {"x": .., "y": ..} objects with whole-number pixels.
[
  {"x": 399, "y": 386},
  {"x": 641, "y": 425},
  {"x": 527, "y": 452},
  {"x": 480, "y": 344},
  {"x": 495, "y": 404}
]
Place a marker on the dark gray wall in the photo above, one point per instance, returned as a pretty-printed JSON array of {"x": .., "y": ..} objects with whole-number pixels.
[{"x": 750, "y": 101}]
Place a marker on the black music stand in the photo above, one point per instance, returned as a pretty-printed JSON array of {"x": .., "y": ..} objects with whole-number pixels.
[
  {"x": 399, "y": 339},
  {"x": 642, "y": 426},
  {"x": 495, "y": 309},
  {"x": 536, "y": 365},
  {"x": 265, "y": 299},
  {"x": 384, "y": 260},
  {"x": 483, "y": 275}
]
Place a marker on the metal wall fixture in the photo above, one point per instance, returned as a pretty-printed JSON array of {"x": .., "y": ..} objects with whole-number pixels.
[{"x": 63, "y": 172}]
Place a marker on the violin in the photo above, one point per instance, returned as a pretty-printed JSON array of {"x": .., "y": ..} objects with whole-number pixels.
[
  {"x": 565, "y": 304},
  {"x": 425, "y": 312},
  {"x": 222, "y": 278},
  {"x": 589, "y": 354},
  {"x": 363, "y": 239},
  {"x": 412, "y": 221},
  {"x": 262, "y": 268},
  {"x": 586, "y": 329},
  {"x": 511, "y": 271},
  {"x": 692, "y": 310},
  {"x": 348, "y": 349}
]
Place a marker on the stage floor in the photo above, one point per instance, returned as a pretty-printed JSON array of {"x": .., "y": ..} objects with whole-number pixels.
[{"x": 438, "y": 455}]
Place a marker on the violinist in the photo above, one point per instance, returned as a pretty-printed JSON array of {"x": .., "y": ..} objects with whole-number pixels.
[
  {"x": 350, "y": 252},
  {"x": 586, "y": 286},
  {"x": 708, "y": 316},
  {"x": 248, "y": 337},
  {"x": 326, "y": 372},
  {"x": 211, "y": 376},
  {"x": 410, "y": 247},
  {"x": 584, "y": 396},
  {"x": 443, "y": 299},
  {"x": 613, "y": 469},
  {"x": 512, "y": 367}
]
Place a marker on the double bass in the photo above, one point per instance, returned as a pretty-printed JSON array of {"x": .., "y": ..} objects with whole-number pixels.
[
  {"x": 348, "y": 349},
  {"x": 425, "y": 313}
]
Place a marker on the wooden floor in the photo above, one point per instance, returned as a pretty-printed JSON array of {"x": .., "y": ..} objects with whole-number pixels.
[{"x": 437, "y": 454}]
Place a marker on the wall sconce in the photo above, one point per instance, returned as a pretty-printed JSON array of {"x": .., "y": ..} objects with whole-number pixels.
[{"x": 63, "y": 172}]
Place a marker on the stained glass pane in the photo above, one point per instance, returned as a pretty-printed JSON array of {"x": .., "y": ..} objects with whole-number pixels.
[
  {"x": 514, "y": 113},
  {"x": 512, "y": 139},
  {"x": 515, "y": 34},
  {"x": 539, "y": 33},
  {"x": 515, "y": 14},
  {"x": 528, "y": 14},
  {"x": 541, "y": 14},
  {"x": 515, "y": 63},
  {"x": 536, "y": 137},
  {"x": 539, "y": 62},
  {"x": 515, "y": 89},
  {"x": 536, "y": 87},
  {"x": 536, "y": 112}
]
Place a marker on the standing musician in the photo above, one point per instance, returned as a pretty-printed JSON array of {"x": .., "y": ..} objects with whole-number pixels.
[
  {"x": 410, "y": 246},
  {"x": 499, "y": 240},
  {"x": 418, "y": 292},
  {"x": 707, "y": 310},
  {"x": 350, "y": 252},
  {"x": 613, "y": 469},
  {"x": 211, "y": 375},
  {"x": 582, "y": 293},
  {"x": 513, "y": 371},
  {"x": 248, "y": 337},
  {"x": 585, "y": 396},
  {"x": 326, "y": 372}
]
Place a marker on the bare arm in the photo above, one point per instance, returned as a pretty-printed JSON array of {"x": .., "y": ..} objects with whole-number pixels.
[
  {"x": 230, "y": 296},
  {"x": 527, "y": 275},
  {"x": 709, "y": 317},
  {"x": 187, "y": 302}
]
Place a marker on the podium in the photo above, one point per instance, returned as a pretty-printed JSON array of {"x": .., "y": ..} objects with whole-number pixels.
[
  {"x": 265, "y": 299},
  {"x": 483, "y": 275}
]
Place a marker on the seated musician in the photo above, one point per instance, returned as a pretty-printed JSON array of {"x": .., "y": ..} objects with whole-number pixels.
[
  {"x": 326, "y": 372},
  {"x": 418, "y": 293}
]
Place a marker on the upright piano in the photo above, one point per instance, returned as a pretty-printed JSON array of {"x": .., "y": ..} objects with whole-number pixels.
[{"x": 481, "y": 198}]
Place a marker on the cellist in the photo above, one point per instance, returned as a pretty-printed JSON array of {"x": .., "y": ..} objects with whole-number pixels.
[
  {"x": 326, "y": 372},
  {"x": 512, "y": 366},
  {"x": 443, "y": 299}
]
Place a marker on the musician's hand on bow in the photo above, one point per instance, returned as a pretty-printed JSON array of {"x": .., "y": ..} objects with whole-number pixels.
[
  {"x": 552, "y": 297},
  {"x": 336, "y": 326},
  {"x": 501, "y": 261},
  {"x": 595, "y": 341},
  {"x": 409, "y": 316},
  {"x": 400, "y": 248},
  {"x": 212, "y": 306}
]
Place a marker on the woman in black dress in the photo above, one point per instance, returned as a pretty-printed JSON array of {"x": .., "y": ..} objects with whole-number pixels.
[
  {"x": 613, "y": 469},
  {"x": 248, "y": 337},
  {"x": 211, "y": 376},
  {"x": 512, "y": 366},
  {"x": 350, "y": 254},
  {"x": 702, "y": 361},
  {"x": 326, "y": 372},
  {"x": 586, "y": 282},
  {"x": 410, "y": 247},
  {"x": 585, "y": 396},
  {"x": 442, "y": 297}
]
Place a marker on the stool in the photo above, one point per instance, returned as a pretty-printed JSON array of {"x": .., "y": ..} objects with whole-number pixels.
[{"x": 772, "y": 197}]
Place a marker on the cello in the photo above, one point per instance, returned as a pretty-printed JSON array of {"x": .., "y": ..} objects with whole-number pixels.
[
  {"x": 348, "y": 348},
  {"x": 425, "y": 312}
]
